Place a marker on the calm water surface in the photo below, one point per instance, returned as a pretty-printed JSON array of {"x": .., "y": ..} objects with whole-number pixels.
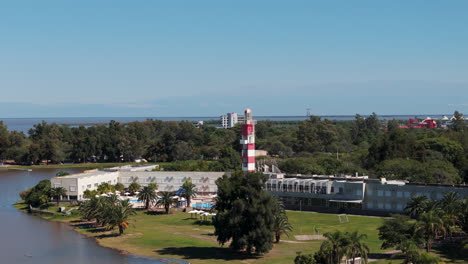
[
  {"x": 32, "y": 240},
  {"x": 24, "y": 124}
]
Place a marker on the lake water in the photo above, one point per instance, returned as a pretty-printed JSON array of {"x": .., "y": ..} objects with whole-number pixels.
[
  {"x": 24, "y": 124},
  {"x": 27, "y": 239}
]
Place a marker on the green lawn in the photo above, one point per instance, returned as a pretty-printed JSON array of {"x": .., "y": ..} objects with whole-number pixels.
[{"x": 178, "y": 236}]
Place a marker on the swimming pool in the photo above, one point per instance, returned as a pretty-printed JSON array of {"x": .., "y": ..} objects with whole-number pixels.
[{"x": 202, "y": 205}]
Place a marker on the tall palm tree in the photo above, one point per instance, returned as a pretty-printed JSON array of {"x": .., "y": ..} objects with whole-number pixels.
[
  {"x": 416, "y": 206},
  {"x": 356, "y": 247},
  {"x": 119, "y": 215},
  {"x": 335, "y": 246},
  {"x": 166, "y": 200},
  {"x": 58, "y": 192},
  {"x": 452, "y": 207},
  {"x": 189, "y": 191},
  {"x": 430, "y": 225},
  {"x": 281, "y": 223},
  {"x": 147, "y": 195}
]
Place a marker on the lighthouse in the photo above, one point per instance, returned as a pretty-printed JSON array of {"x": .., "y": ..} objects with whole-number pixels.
[{"x": 248, "y": 142}]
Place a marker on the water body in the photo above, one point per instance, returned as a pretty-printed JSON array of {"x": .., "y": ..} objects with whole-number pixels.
[
  {"x": 24, "y": 124},
  {"x": 28, "y": 239}
]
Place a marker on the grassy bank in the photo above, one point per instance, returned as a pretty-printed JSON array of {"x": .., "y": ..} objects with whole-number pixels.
[{"x": 178, "y": 236}]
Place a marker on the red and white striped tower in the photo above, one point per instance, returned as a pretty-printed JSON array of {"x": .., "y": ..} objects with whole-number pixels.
[{"x": 248, "y": 142}]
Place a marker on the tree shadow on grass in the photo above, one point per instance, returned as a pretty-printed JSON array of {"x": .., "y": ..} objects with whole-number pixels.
[
  {"x": 217, "y": 253},
  {"x": 203, "y": 222},
  {"x": 107, "y": 235},
  {"x": 155, "y": 213},
  {"x": 454, "y": 251}
]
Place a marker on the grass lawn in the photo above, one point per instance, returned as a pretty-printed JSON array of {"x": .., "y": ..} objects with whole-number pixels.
[{"x": 178, "y": 236}]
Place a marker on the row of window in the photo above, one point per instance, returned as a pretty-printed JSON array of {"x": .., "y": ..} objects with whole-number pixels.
[
  {"x": 386, "y": 206},
  {"x": 401, "y": 194}
]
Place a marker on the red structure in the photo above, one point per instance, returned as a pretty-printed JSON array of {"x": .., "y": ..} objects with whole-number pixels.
[
  {"x": 248, "y": 142},
  {"x": 415, "y": 123}
]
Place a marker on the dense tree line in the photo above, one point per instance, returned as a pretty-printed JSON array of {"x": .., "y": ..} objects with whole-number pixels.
[
  {"x": 444, "y": 221},
  {"x": 366, "y": 145}
]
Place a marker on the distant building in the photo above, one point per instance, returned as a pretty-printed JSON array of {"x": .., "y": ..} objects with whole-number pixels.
[
  {"x": 229, "y": 120},
  {"x": 352, "y": 194}
]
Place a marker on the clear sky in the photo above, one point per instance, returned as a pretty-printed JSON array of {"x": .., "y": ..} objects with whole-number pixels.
[{"x": 204, "y": 58}]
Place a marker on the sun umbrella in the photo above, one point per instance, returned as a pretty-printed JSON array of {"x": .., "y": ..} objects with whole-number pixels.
[{"x": 127, "y": 193}]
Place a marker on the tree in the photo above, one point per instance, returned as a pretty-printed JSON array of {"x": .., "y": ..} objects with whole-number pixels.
[
  {"x": 166, "y": 200},
  {"x": 119, "y": 215},
  {"x": 134, "y": 187},
  {"x": 335, "y": 247},
  {"x": 356, "y": 247},
  {"x": 147, "y": 195},
  {"x": 281, "y": 222},
  {"x": 430, "y": 225},
  {"x": 88, "y": 194},
  {"x": 119, "y": 187},
  {"x": 458, "y": 122},
  {"x": 246, "y": 212},
  {"x": 58, "y": 192},
  {"x": 395, "y": 231},
  {"x": 189, "y": 191},
  {"x": 39, "y": 194},
  {"x": 304, "y": 259},
  {"x": 416, "y": 206},
  {"x": 105, "y": 188}
]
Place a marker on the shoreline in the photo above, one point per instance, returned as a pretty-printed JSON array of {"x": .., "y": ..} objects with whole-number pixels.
[{"x": 67, "y": 222}]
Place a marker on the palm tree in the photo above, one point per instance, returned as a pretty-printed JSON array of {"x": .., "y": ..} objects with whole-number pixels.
[
  {"x": 134, "y": 187},
  {"x": 416, "y": 206},
  {"x": 281, "y": 223},
  {"x": 166, "y": 200},
  {"x": 147, "y": 195},
  {"x": 451, "y": 206},
  {"x": 119, "y": 215},
  {"x": 58, "y": 192},
  {"x": 430, "y": 225},
  {"x": 189, "y": 191},
  {"x": 334, "y": 248},
  {"x": 356, "y": 247}
]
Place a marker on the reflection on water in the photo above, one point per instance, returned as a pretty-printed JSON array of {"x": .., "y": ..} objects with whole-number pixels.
[{"x": 32, "y": 240}]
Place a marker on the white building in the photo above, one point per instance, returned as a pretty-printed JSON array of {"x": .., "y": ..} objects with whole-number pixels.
[
  {"x": 229, "y": 120},
  {"x": 76, "y": 184}
]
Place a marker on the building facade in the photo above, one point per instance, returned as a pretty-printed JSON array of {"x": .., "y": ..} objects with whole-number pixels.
[
  {"x": 76, "y": 184},
  {"x": 352, "y": 194}
]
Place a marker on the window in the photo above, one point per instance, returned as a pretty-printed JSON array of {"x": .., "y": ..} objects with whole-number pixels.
[
  {"x": 399, "y": 207},
  {"x": 89, "y": 186},
  {"x": 56, "y": 185},
  {"x": 379, "y": 193},
  {"x": 129, "y": 180},
  {"x": 369, "y": 192},
  {"x": 72, "y": 188},
  {"x": 439, "y": 196},
  {"x": 96, "y": 185},
  {"x": 388, "y": 206},
  {"x": 340, "y": 190},
  {"x": 380, "y": 205},
  {"x": 370, "y": 205},
  {"x": 388, "y": 193},
  {"x": 359, "y": 192},
  {"x": 399, "y": 194},
  {"x": 407, "y": 195}
]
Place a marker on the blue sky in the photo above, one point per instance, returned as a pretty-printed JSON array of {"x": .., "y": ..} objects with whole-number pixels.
[{"x": 204, "y": 58}]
